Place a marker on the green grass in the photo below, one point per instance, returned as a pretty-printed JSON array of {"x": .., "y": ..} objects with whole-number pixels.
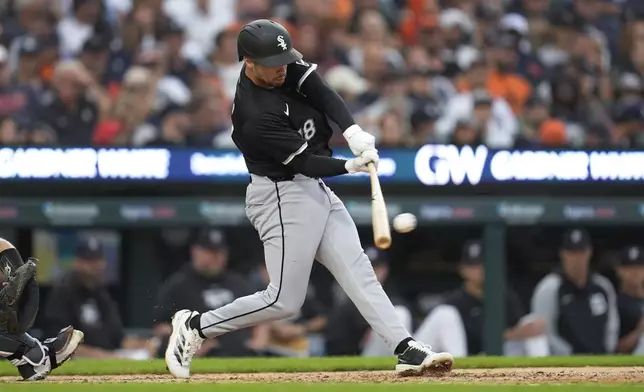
[
  {"x": 187, "y": 387},
  {"x": 285, "y": 365}
]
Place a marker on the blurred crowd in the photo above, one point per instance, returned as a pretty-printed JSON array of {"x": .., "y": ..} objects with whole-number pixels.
[{"x": 505, "y": 73}]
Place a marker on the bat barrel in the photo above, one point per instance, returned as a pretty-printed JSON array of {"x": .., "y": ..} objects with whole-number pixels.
[{"x": 380, "y": 218}]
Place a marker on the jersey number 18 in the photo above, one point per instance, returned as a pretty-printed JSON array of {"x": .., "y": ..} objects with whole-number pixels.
[{"x": 308, "y": 130}]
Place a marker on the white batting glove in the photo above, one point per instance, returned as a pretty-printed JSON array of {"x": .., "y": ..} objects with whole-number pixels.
[
  {"x": 360, "y": 163},
  {"x": 359, "y": 140}
]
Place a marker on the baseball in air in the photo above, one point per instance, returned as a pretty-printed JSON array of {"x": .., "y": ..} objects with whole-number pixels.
[{"x": 404, "y": 223}]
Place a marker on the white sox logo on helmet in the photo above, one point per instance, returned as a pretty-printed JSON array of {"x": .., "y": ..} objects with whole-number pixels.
[{"x": 281, "y": 43}]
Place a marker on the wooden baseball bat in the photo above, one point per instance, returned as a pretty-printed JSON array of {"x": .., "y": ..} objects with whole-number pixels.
[{"x": 379, "y": 216}]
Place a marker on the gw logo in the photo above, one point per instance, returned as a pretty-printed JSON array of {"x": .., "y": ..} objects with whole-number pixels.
[{"x": 308, "y": 130}]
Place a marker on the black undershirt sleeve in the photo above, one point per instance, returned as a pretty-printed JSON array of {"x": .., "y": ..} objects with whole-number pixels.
[
  {"x": 322, "y": 96},
  {"x": 317, "y": 166}
]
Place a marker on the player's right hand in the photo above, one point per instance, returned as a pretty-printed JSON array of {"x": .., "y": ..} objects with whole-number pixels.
[
  {"x": 359, "y": 141},
  {"x": 360, "y": 163}
]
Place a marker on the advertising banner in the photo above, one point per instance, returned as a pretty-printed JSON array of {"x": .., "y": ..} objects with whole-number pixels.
[{"x": 430, "y": 165}]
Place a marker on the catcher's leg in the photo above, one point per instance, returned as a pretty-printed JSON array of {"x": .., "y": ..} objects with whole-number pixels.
[
  {"x": 33, "y": 359},
  {"x": 27, "y": 307},
  {"x": 27, "y": 354}
]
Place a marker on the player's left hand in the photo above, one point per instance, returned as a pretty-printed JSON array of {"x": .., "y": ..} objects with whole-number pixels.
[
  {"x": 359, "y": 140},
  {"x": 360, "y": 163}
]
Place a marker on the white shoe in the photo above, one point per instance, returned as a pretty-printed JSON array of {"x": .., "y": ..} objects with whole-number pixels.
[
  {"x": 183, "y": 344},
  {"x": 419, "y": 359}
]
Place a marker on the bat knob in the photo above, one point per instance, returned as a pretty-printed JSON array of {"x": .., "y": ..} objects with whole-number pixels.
[{"x": 383, "y": 242}]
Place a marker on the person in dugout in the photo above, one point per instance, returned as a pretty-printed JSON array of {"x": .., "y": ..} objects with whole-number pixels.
[
  {"x": 203, "y": 284},
  {"x": 578, "y": 304},
  {"x": 630, "y": 300},
  {"x": 81, "y": 298},
  {"x": 456, "y": 325}
]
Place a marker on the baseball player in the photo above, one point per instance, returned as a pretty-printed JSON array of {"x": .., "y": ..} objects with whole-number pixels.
[
  {"x": 280, "y": 124},
  {"x": 19, "y": 300}
]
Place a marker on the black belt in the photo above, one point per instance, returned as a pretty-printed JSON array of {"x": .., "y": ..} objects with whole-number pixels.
[{"x": 276, "y": 178}]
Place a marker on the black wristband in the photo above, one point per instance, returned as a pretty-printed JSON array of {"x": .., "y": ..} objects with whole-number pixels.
[{"x": 318, "y": 166}]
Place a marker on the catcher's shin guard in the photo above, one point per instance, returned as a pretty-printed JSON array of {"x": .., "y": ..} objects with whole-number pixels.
[
  {"x": 58, "y": 349},
  {"x": 27, "y": 354}
]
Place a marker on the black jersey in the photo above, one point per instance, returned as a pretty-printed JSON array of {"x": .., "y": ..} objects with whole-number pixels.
[
  {"x": 471, "y": 311},
  {"x": 631, "y": 311},
  {"x": 272, "y": 126}
]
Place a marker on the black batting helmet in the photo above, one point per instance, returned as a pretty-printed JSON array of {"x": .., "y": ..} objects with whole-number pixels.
[{"x": 266, "y": 42}]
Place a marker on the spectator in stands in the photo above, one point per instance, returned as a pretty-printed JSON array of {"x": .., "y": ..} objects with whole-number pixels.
[
  {"x": 516, "y": 28},
  {"x": 457, "y": 323},
  {"x": 630, "y": 300},
  {"x": 536, "y": 113},
  {"x": 391, "y": 131},
  {"x": 179, "y": 65},
  {"x": 82, "y": 300},
  {"x": 349, "y": 84},
  {"x": 40, "y": 23},
  {"x": 203, "y": 20},
  {"x": 204, "y": 284},
  {"x": 579, "y": 305},
  {"x": 373, "y": 30},
  {"x": 170, "y": 90},
  {"x": 40, "y": 134},
  {"x": 347, "y": 332},
  {"x": 209, "y": 121},
  {"x": 13, "y": 101},
  {"x": 629, "y": 88},
  {"x": 172, "y": 132},
  {"x": 298, "y": 336},
  {"x": 503, "y": 80},
  {"x": 29, "y": 75},
  {"x": 410, "y": 54},
  {"x": 140, "y": 27},
  {"x": 627, "y": 119},
  {"x": 224, "y": 61},
  {"x": 79, "y": 26},
  {"x": 502, "y": 126},
  {"x": 10, "y": 133},
  {"x": 566, "y": 90},
  {"x": 124, "y": 123},
  {"x": 26, "y": 19},
  {"x": 95, "y": 56},
  {"x": 631, "y": 51},
  {"x": 423, "y": 121},
  {"x": 429, "y": 69},
  {"x": 71, "y": 109},
  {"x": 598, "y": 136},
  {"x": 458, "y": 30},
  {"x": 467, "y": 132}
]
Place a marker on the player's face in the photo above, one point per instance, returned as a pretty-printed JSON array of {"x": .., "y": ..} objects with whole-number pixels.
[
  {"x": 576, "y": 262},
  {"x": 209, "y": 262},
  {"x": 473, "y": 273},
  {"x": 269, "y": 76},
  {"x": 631, "y": 275},
  {"x": 91, "y": 271}
]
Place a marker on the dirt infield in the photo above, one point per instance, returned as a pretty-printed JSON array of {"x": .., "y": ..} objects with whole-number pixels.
[{"x": 494, "y": 376}]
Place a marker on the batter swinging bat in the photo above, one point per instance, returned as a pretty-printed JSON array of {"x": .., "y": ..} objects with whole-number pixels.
[{"x": 379, "y": 216}]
